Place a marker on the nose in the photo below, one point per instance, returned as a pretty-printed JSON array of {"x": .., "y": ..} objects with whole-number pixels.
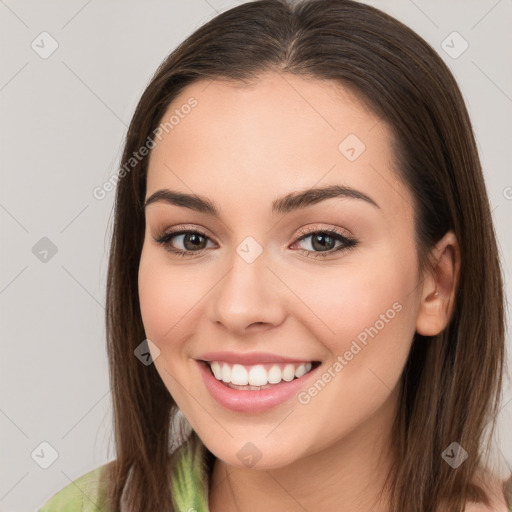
[{"x": 247, "y": 298}]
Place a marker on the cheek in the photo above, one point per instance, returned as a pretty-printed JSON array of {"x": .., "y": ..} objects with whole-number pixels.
[
  {"x": 365, "y": 309},
  {"x": 367, "y": 314},
  {"x": 167, "y": 296}
]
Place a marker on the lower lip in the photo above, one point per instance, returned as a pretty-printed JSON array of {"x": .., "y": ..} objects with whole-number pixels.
[{"x": 252, "y": 401}]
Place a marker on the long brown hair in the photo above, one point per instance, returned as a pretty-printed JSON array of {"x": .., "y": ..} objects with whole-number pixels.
[{"x": 451, "y": 385}]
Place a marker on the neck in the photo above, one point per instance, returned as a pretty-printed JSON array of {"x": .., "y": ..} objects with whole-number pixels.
[{"x": 348, "y": 475}]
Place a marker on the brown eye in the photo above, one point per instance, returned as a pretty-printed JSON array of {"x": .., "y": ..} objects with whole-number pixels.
[
  {"x": 192, "y": 241},
  {"x": 323, "y": 243}
]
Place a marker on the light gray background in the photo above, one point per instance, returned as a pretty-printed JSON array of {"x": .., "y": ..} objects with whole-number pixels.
[{"x": 62, "y": 126}]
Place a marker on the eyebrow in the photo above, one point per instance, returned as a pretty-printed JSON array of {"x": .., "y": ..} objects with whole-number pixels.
[{"x": 288, "y": 203}]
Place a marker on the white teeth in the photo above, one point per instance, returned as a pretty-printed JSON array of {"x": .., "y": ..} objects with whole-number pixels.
[
  {"x": 257, "y": 375},
  {"x": 239, "y": 375},
  {"x": 226, "y": 373},
  {"x": 274, "y": 375},
  {"x": 288, "y": 372},
  {"x": 300, "y": 371},
  {"x": 216, "y": 369}
]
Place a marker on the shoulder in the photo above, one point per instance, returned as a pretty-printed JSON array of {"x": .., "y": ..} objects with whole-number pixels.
[
  {"x": 86, "y": 493},
  {"x": 499, "y": 493}
]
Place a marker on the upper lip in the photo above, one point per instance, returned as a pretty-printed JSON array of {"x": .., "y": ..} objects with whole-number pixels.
[{"x": 249, "y": 358}]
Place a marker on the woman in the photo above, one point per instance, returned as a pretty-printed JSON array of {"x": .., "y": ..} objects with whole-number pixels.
[{"x": 303, "y": 263}]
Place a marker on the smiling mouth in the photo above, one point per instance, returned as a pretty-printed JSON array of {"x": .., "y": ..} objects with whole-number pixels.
[{"x": 259, "y": 376}]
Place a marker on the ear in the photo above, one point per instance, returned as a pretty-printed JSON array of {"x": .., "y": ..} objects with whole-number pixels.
[{"x": 439, "y": 287}]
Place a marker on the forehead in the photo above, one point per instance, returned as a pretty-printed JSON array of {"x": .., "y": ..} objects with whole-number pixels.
[{"x": 274, "y": 135}]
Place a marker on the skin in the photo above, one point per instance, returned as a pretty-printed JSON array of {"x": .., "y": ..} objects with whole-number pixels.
[{"x": 242, "y": 147}]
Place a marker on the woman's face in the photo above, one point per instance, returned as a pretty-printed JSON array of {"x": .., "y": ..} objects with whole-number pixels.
[{"x": 264, "y": 278}]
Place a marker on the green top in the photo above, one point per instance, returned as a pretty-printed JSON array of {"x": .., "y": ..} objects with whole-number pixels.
[
  {"x": 189, "y": 487},
  {"x": 85, "y": 494}
]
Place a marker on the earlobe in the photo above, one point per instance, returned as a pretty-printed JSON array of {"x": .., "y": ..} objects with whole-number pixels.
[{"x": 439, "y": 287}]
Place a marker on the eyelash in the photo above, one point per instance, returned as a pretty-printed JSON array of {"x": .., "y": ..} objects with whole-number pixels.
[{"x": 348, "y": 243}]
